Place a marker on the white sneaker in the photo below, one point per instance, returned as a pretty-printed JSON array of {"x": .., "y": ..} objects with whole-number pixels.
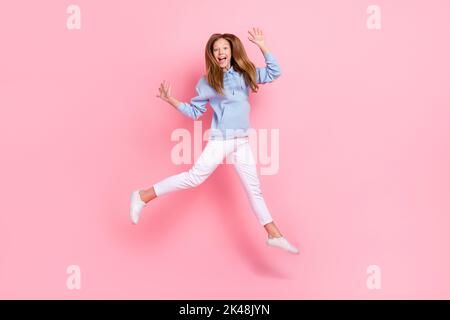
[
  {"x": 136, "y": 206},
  {"x": 281, "y": 242}
]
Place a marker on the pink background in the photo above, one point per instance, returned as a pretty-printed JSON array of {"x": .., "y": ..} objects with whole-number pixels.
[{"x": 364, "y": 172}]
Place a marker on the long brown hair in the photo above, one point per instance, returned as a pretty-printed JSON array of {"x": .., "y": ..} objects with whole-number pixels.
[{"x": 239, "y": 60}]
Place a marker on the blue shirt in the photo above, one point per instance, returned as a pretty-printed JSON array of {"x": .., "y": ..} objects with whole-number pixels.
[{"x": 231, "y": 111}]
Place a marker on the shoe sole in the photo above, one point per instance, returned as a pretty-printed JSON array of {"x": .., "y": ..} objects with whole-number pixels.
[
  {"x": 133, "y": 194},
  {"x": 275, "y": 246}
]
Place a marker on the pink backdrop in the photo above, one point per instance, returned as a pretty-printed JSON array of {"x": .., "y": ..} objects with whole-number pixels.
[{"x": 364, "y": 174}]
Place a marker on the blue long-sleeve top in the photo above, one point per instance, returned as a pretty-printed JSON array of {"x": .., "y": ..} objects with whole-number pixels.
[{"x": 231, "y": 111}]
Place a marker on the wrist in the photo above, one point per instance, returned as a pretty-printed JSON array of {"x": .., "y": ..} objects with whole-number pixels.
[
  {"x": 174, "y": 102},
  {"x": 264, "y": 49}
]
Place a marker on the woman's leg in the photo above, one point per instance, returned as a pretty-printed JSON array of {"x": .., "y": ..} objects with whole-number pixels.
[
  {"x": 147, "y": 194},
  {"x": 272, "y": 230},
  {"x": 211, "y": 157},
  {"x": 245, "y": 166},
  {"x": 207, "y": 162}
]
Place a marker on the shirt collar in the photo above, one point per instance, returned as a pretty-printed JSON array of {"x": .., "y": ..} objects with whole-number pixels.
[{"x": 230, "y": 71}]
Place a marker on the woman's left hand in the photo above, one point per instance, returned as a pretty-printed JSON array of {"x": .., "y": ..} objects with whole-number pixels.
[{"x": 257, "y": 37}]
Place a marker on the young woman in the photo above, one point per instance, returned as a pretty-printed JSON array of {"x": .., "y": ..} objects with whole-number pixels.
[{"x": 229, "y": 77}]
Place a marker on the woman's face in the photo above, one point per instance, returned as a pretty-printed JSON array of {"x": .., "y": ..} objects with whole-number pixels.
[{"x": 222, "y": 53}]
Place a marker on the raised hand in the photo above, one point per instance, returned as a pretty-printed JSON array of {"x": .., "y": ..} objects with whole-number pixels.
[
  {"x": 257, "y": 37},
  {"x": 165, "y": 91}
]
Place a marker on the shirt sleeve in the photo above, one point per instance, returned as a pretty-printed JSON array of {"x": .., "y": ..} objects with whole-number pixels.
[
  {"x": 270, "y": 72},
  {"x": 197, "y": 106}
]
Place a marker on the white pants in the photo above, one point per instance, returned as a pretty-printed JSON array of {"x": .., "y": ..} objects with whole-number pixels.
[{"x": 240, "y": 154}]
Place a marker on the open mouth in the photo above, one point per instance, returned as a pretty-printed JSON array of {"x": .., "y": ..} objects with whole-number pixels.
[{"x": 222, "y": 59}]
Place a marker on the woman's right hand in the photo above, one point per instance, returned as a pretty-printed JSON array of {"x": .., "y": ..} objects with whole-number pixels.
[{"x": 165, "y": 91}]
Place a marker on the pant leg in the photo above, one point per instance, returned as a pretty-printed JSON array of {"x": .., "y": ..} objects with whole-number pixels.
[
  {"x": 245, "y": 165},
  {"x": 207, "y": 162}
]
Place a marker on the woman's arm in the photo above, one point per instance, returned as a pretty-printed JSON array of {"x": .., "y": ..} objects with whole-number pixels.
[
  {"x": 270, "y": 72},
  {"x": 272, "y": 69},
  {"x": 165, "y": 94},
  {"x": 173, "y": 102},
  {"x": 194, "y": 109},
  {"x": 264, "y": 49},
  {"x": 257, "y": 37}
]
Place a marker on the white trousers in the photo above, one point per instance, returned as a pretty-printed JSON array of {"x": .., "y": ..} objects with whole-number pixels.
[{"x": 239, "y": 152}]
